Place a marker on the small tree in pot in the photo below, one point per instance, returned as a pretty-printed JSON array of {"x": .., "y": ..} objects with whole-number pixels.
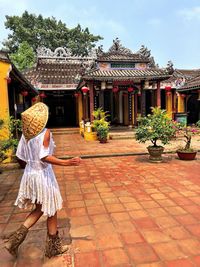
[
  {"x": 155, "y": 127},
  {"x": 101, "y": 125}
]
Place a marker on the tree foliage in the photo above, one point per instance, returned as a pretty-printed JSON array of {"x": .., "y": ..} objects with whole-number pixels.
[
  {"x": 24, "y": 57},
  {"x": 155, "y": 127},
  {"x": 38, "y": 31}
]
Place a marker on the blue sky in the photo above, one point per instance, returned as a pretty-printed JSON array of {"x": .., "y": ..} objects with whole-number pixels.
[{"x": 169, "y": 28}]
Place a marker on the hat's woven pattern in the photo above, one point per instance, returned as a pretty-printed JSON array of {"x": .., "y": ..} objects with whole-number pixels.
[{"x": 34, "y": 120}]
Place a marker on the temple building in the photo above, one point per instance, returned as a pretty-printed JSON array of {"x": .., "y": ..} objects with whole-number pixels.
[
  {"x": 123, "y": 83},
  {"x": 184, "y": 88}
]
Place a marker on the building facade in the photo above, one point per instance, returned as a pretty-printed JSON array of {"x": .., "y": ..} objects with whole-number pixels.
[{"x": 123, "y": 83}]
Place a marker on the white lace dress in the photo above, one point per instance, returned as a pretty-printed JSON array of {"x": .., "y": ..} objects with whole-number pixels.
[{"x": 38, "y": 183}]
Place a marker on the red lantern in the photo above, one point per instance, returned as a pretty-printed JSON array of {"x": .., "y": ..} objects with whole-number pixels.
[
  {"x": 168, "y": 93},
  {"x": 130, "y": 89},
  {"x": 33, "y": 99},
  {"x": 84, "y": 89},
  {"x": 168, "y": 88},
  {"x": 115, "y": 89},
  {"x": 24, "y": 93},
  {"x": 8, "y": 80},
  {"x": 76, "y": 94},
  {"x": 42, "y": 95}
]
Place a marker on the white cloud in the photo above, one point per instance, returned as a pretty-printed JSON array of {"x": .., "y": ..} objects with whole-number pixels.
[{"x": 190, "y": 13}]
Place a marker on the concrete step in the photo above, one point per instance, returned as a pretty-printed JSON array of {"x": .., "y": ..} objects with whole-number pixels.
[
  {"x": 65, "y": 130},
  {"x": 122, "y": 135}
]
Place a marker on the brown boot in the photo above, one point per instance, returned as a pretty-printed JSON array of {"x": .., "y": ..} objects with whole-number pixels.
[
  {"x": 14, "y": 240},
  {"x": 54, "y": 246}
]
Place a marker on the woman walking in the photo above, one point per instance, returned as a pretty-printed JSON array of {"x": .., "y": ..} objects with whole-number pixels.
[{"x": 38, "y": 184}]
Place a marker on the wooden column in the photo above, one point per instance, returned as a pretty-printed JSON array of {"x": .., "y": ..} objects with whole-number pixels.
[
  {"x": 181, "y": 103},
  {"x": 143, "y": 100},
  {"x": 135, "y": 109},
  {"x": 158, "y": 95},
  {"x": 91, "y": 92},
  {"x": 80, "y": 107}
]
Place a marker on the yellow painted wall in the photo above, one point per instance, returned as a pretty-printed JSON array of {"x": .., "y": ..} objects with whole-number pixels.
[{"x": 4, "y": 102}]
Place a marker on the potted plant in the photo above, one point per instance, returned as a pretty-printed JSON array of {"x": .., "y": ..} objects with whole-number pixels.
[
  {"x": 155, "y": 127},
  {"x": 9, "y": 145},
  {"x": 101, "y": 125},
  {"x": 187, "y": 152}
]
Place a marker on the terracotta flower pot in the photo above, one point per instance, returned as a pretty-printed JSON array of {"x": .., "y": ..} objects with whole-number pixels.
[
  {"x": 155, "y": 153},
  {"x": 186, "y": 155}
]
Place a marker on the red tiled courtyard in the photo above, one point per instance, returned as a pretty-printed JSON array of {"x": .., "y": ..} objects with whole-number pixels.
[{"x": 123, "y": 211}]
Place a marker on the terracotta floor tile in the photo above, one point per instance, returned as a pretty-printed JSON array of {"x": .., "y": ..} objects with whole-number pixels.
[
  {"x": 127, "y": 199},
  {"x": 110, "y": 200},
  {"x": 80, "y": 220},
  {"x": 76, "y": 204},
  {"x": 91, "y": 196},
  {"x": 100, "y": 218},
  {"x": 153, "y": 264},
  {"x": 82, "y": 231},
  {"x": 186, "y": 219},
  {"x": 120, "y": 216},
  {"x": 168, "y": 251},
  {"x": 106, "y": 227},
  {"x": 155, "y": 236},
  {"x": 124, "y": 226},
  {"x": 96, "y": 210},
  {"x": 145, "y": 223},
  {"x": 132, "y": 237},
  {"x": 158, "y": 196},
  {"x": 77, "y": 212},
  {"x": 114, "y": 207},
  {"x": 196, "y": 260},
  {"x": 192, "y": 208},
  {"x": 175, "y": 210},
  {"x": 115, "y": 257},
  {"x": 156, "y": 212},
  {"x": 189, "y": 246},
  {"x": 149, "y": 204},
  {"x": 93, "y": 202},
  {"x": 137, "y": 214},
  {"x": 166, "y": 202},
  {"x": 194, "y": 229},
  {"x": 89, "y": 259},
  {"x": 74, "y": 197},
  {"x": 84, "y": 245},
  {"x": 108, "y": 240},
  {"x": 132, "y": 206},
  {"x": 166, "y": 221},
  {"x": 142, "y": 253},
  {"x": 180, "y": 263},
  {"x": 178, "y": 232}
]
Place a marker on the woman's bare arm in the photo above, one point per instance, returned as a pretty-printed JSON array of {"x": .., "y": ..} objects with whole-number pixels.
[{"x": 54, "y": 160}]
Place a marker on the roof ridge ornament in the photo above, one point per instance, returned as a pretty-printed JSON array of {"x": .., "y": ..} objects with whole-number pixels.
[
  {"x": 144, "y": 51},
  {"x": 169, "y": 67},
  {"x": 63, "y": 53},
  {"x": 118, "y": 48}
]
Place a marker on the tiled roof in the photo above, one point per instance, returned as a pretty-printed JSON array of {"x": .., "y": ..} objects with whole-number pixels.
[
  {"x": 183, "y": 73},
  {"x": 191, "y": 84},
  {"x": 111, "y": 57},
  {"x": 119, "y": 74},
  {"x": 54, "y": 72}
]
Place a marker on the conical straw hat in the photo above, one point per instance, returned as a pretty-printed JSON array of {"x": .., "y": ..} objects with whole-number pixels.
[{"x": 34, "y": 120}]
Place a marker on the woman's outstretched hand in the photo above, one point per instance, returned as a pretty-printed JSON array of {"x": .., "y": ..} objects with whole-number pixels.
[{"x": 74, "y": 161}]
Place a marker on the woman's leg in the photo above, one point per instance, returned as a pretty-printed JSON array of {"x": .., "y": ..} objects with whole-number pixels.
[
  {"x": 33, "y": 217},
  {"x": 52, "y": 224}
]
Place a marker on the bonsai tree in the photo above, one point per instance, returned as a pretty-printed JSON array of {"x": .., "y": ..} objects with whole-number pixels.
[
  {"x": 100, "y": 124},
  {"x": 155, "y": 127},
  {"x": 187, "y": 152}
]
